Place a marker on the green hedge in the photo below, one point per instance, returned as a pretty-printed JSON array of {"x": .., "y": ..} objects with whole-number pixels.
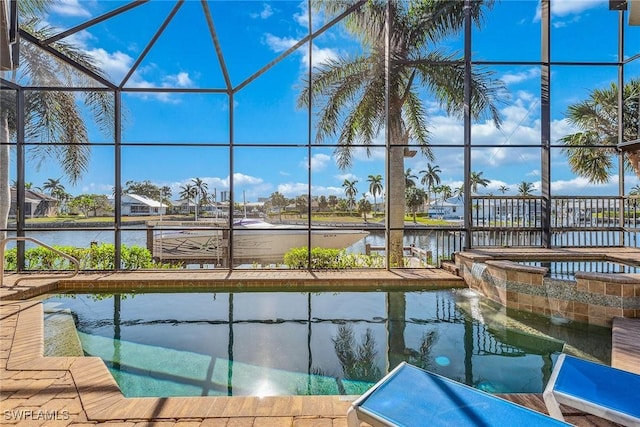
[
  {"x": 327, "y": 259},
  {"x": 96, "y": 257}
]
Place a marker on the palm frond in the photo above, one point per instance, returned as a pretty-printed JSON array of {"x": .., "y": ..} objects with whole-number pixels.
[
  {"x": 586, "y": 158},
  {"x": 443, "y": 75},
  {"x": 415, "y": 116}
]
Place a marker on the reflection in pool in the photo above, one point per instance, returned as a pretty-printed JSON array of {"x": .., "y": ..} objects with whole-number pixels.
[{"x": 288, "y": 343}]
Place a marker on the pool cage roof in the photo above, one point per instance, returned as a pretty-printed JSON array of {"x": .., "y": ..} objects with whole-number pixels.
[{"x": 17, "y": 40}]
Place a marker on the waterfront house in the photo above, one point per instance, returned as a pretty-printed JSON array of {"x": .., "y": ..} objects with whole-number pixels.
[
  {"x": 36, "y": 204},
  {"x": 133, "y": 204}
]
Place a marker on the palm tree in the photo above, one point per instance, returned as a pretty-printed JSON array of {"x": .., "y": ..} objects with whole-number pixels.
[
  {"x": 200, "y": 189},
  {"x": 597, "y": 119},
  {"x": 635, "y": 190},
  {"x": 476, "y": 179},
  {"x": 350, "y": 191},
  {"x": 53, "y": 186},
  {"x": 375, "y": 188},
  {"x": 409, "y": 179},
  {"x": 415, "y": 200},
  {"x": 51, "y": 116},
  {"x": 278, "y": 201},
  {"x": 350, "y": 92},
  {"x": 430, "y": 178},
  {"x": 364, "y": 207},
  {"x": 525, "y": 188},
  {"x": 187, "y": 193},
  {"x": 503, "y": 189},
  {"x": 446, "y": 192}
]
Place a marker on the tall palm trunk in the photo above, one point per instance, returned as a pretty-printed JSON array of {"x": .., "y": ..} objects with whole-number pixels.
[
  {"x": 5, "y": 190},
  {"x": 396, "y": 181}
]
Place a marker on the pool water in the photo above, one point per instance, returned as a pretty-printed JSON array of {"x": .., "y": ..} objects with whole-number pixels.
[
  {"x": 566, "y": 270},
  {"x": 295, "y": 343}
]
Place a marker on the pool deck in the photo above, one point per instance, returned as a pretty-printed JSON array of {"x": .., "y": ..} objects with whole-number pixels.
[{"x": 59, "y": 391}]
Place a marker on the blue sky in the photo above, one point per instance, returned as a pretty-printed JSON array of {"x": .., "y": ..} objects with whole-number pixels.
[{"x": 253, "y": 33}]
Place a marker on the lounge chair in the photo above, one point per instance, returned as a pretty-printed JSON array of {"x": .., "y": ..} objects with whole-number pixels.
[
  {"x": 409, "y": 396},
  {"x": 597, "y": 389}
]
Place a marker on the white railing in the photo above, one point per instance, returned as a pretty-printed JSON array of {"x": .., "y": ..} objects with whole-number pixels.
[{"x": 3, "y": 244}]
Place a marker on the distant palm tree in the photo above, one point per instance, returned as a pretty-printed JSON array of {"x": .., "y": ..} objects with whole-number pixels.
[
  {"x": 364, "y": 207},
  {"x": 200, "y": 188},
  {"x": 525, "y": 188},
  {"x": 350, "y": 191},
  {"x": 27, "y": 185},
  {"x": 459, "y": 192},
  {"x": 375, "y": 188},
  {"x": 409, "y": 178},
  {"x": 349, "y": 92},
  {"x": 187, "y": 193},
  {"x": 430, "y": 178},
  {"x": 635, "y": 190},
  {"x": 503, "y": 189},
  {"x": 414, "y": 200},
  {"x": 476, "y": 179},
  {"x": 446, "y": 192},
  {"x": 597, "y": 119},
  {"x": 279, "y": 202},
  {"x": 53, "y": 186},
  {"x": 51, "y": 116}
]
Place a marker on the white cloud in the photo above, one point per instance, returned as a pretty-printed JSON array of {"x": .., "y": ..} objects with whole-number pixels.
[
  {"x": 568, "y": 7},
  {"x": 265, "y": 13},
  {"x": 513, "y": 78},
  {"x": 281, "y": 44},
  {"x": 293, "y": 189},
  {"x": 177, "y": 80},
  {"x": 580, "y": 185},
  {"x": 319, "y": 162},
  {"x": 116, "y": 65},
  {"x": 337, "y": 191},
  {"x": 348, "y": 176},
  {"x": 242, "y": 179},
  {"x": 70, "y": 8},
  {"x": 302, "y": 18},
  {"x": 560, "y": 128}
]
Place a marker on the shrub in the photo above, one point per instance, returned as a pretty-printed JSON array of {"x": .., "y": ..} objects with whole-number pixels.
[
  {"x": 325, "y": 259},
  {"x": 96, "y": 257}
]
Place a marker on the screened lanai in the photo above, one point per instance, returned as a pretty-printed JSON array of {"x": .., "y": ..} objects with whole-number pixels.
[{"x": 236, "y": 135}]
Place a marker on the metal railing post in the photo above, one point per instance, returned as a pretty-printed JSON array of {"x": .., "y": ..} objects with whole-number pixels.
[{"x": 3, "y": 244}]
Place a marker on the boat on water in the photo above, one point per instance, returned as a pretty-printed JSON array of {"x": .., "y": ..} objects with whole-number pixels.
[{"x": 254, "y": 240}]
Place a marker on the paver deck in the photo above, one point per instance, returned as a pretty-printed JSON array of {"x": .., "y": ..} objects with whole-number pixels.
[
  {"x": 625, "y": 351},
  {"x": 54, "y": 391}
]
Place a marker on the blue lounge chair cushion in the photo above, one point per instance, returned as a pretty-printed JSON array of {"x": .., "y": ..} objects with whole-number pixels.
[
  {"x": 594, "y": 388},
  {"x": 410, "y": 396}
]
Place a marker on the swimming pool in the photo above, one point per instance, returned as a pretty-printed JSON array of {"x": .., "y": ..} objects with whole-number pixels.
[{"x": 295, "y": 343}]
